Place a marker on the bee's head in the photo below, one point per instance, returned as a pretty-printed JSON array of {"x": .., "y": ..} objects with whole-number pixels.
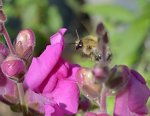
[{"x": 79, "y": 44}]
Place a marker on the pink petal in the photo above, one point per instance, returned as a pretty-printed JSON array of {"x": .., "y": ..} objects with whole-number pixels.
[
  {"x": 49, "y": 110},
  {"x": 138, "y": 97},
  {"x": 58, "y": 37},
  {"x": 8, "y": 90},
  {"x": 58, "y": 111},
  {"x": 121, "y": 104},
  {"x": 66, "y": 95},
  {"x": 73, "y": 69},
  {"x": 49, "y": 85},
  {"x": 132, "y": 101},
  {"x": 42, "y": 66},
  {"x": 59, "y": 71},
  {"x": 138, "y": 76}
]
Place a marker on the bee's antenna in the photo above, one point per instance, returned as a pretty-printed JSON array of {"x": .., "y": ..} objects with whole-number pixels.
[{"x": 77, "y": 35}]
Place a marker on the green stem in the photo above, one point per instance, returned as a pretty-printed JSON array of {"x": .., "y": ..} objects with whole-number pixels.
[
  {"x": 103, "y": 100},
  {"x": 21, "y": 98}
]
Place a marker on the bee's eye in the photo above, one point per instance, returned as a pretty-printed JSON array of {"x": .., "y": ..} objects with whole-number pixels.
[
  {"x": 98, "y": 57},
  {"x": 79, "y": 45}
]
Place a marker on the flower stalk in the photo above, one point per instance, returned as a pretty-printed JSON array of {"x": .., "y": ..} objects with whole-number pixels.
[
  {"x": 21, "y": 99},
  {"x": 103, "y": 99},
  {"x": 7, "y": 39}
]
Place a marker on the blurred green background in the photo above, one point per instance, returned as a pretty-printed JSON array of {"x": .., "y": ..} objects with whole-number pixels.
[{"x": 127, "y": 22}]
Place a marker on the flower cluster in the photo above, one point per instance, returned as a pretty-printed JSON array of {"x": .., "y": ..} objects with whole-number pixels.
[{"x": 50, "y": 86}]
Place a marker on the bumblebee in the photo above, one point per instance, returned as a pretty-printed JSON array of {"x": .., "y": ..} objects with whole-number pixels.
[
  {"x": 95, "y": 47},
  {"x": 90, "y": 47}
]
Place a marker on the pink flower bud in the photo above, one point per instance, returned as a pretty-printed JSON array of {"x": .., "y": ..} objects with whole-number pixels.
[
  {"x": 13, "y": 67},
  {"x": 25, "y": 43},
  {"x": 3, "y": 52},
  {"x": 100, "y": 73},
  {"x": 87, "y": 83}
]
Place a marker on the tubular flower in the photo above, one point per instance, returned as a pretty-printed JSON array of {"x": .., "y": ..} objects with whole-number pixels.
[
  {"x": 53, "y": 78},
  {"x": 132, "y": 100}
]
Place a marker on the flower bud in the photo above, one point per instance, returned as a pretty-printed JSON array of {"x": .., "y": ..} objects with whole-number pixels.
[
  {"x": 25, "y": 44},
  {"x": 13, "y": 68},
  {"x": 100, "y": 73},
  {"x": 87, "y": 83},
  {"x": 3, "y": 52},
  {"x": 118, "y": 78}
]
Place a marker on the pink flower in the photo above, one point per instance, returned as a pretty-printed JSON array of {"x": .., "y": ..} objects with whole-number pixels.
[
  {"x": 54, "y": 78},
  {"x": 132, "y": 100}
]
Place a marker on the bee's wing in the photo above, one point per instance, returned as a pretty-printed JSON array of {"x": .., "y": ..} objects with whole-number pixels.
[{"x": 102, "y": 42}]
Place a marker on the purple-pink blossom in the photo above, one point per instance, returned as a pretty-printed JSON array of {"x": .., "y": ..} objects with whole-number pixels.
[
  {"x": 52, "y": 78},
  {"x": 132, "y": 100}
]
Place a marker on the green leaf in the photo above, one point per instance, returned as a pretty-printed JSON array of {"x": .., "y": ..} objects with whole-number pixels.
[
  {"x": 30, "y": 16},
  {"x": 129, "y": 42},
  {"x": 109, "y": 11},
  {"x": 54, "y": 19},
  {"x": 9, "y": 10},
  {"x": 1, "y": 40}
]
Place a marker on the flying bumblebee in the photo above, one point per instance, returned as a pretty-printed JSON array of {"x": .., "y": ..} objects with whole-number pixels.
[{"x": 92, "y": 47}]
